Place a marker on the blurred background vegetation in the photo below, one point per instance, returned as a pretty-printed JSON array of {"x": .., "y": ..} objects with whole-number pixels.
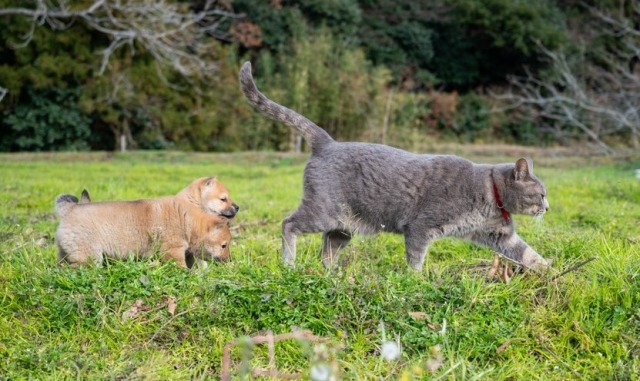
[{"x": 400, "y": 72}]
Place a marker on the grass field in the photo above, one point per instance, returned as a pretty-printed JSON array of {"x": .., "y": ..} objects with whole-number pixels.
[{"x": 151, "y": 320}]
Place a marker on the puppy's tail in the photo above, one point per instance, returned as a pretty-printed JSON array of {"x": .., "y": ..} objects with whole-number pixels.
[
  {"x": 65, "y": 203},
  {"x": 312, "y": 133}
]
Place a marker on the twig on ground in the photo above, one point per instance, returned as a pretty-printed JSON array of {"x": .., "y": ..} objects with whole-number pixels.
[
  {"x": 574, "y": 267},
  {"x": 634, "y": 341},
  {"x": 558, "y": 359},
  {"x": 167, "y": 323}
]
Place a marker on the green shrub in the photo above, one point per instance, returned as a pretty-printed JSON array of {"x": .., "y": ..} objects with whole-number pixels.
[
  {"x": 472, "y": 117},
  {"x": 47, "y": 120}
]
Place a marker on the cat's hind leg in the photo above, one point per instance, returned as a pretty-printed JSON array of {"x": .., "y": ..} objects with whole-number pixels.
[
  {"x": 333, "y": 241},
  {"x": 416, "y": 245},
  {"x": 300, "y": 222}
]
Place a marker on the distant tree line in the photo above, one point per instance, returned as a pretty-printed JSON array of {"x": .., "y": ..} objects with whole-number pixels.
[{"x": 82, "y": 75}]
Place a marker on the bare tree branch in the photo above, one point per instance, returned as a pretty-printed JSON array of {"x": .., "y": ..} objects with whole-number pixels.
[
  {"x": 173, "y": 34},
  {"x": 599, "y": 100}
]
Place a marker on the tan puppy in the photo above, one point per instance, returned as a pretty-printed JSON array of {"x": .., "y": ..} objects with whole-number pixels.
[
  {"x": 211, "y": 195},
  {"x": 176, "y": 225}
]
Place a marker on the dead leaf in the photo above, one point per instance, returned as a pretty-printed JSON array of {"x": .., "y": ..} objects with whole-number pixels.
[
  {"x": 434, "y": 326},
  {"x": 171, "y": 305},
  {"x": 134, "y": 311},
  {"x": 506, "y": 278},
  {"x": 509, "y": 270},
  {"x": 506, "y": 344},
  {"x": 494, "y": 267},
  {"x": 419, "y": 315}
]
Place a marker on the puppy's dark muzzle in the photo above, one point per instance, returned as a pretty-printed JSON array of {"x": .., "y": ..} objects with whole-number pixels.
[
  {"x": 222, "y": 259},
  {"x": 231, "y": 211}
]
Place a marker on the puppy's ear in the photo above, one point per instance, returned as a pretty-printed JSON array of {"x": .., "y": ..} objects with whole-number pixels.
[
  {"x": 216, "y": 223},
  {"x": 209, "y": 181},
  {"x": 84, "y": 197},
  {"x": 212, "y": 227}
]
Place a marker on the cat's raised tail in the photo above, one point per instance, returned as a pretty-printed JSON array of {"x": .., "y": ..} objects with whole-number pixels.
[{"x": 311, "y": 132}]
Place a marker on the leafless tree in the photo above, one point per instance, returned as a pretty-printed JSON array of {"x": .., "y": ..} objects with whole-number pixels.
[
  {"x": 585, "y": 99},
  {"x": 171, "y": 32}
]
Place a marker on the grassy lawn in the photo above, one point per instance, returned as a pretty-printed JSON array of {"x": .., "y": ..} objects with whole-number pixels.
[{"x": 119, "y": 322}]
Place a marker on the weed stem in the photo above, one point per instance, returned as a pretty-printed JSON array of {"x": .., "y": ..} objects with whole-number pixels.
[{"x": 574, "y": 267}]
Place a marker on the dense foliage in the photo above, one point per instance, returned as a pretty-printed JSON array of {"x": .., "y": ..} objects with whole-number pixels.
[{"x": 393, "y": 71}]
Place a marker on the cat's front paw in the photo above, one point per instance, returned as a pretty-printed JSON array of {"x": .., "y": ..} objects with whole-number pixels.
[
  {"x": 535, "y": 262},
  {"x": 541, "y": 266}
]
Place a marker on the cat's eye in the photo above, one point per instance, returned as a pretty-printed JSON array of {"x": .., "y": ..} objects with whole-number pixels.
[{"x": 543, "y": 196}]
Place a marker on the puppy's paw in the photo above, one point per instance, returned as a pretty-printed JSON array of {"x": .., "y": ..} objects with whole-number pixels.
[{"x": 202, "y": 264}]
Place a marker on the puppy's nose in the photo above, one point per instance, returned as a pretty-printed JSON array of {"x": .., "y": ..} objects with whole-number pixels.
[
  {"x": 236, "y": 207},
  {"x": 224, "y": 258}
]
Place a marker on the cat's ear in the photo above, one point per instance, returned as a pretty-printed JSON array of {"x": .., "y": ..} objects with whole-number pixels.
[{"x": 523, "y": 169}]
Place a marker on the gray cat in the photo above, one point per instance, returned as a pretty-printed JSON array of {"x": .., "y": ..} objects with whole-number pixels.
[{"x": 367, "y": 188}]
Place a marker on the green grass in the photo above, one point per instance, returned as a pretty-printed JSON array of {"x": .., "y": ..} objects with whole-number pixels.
[{"x": 60, "y": 323}]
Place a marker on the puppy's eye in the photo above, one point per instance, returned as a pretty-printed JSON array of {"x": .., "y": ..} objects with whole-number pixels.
[
  {"x": 223, "y": 199},
  {"x": 224, "y": 245},
  {"x": 542, "y": 196}
]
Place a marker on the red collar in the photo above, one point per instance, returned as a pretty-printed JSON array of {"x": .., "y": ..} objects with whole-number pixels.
[{"x": 505, "y": 214}]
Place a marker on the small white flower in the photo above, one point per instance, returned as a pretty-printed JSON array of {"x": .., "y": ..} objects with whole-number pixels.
[
  {"x": 390, "y": 350},
  {"x": 321, "y": 372}
]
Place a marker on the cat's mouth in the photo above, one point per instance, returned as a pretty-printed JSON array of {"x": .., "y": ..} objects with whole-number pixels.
[
  {"x": 535, "y": 212},
  {"x": 539, "y": 213}
]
